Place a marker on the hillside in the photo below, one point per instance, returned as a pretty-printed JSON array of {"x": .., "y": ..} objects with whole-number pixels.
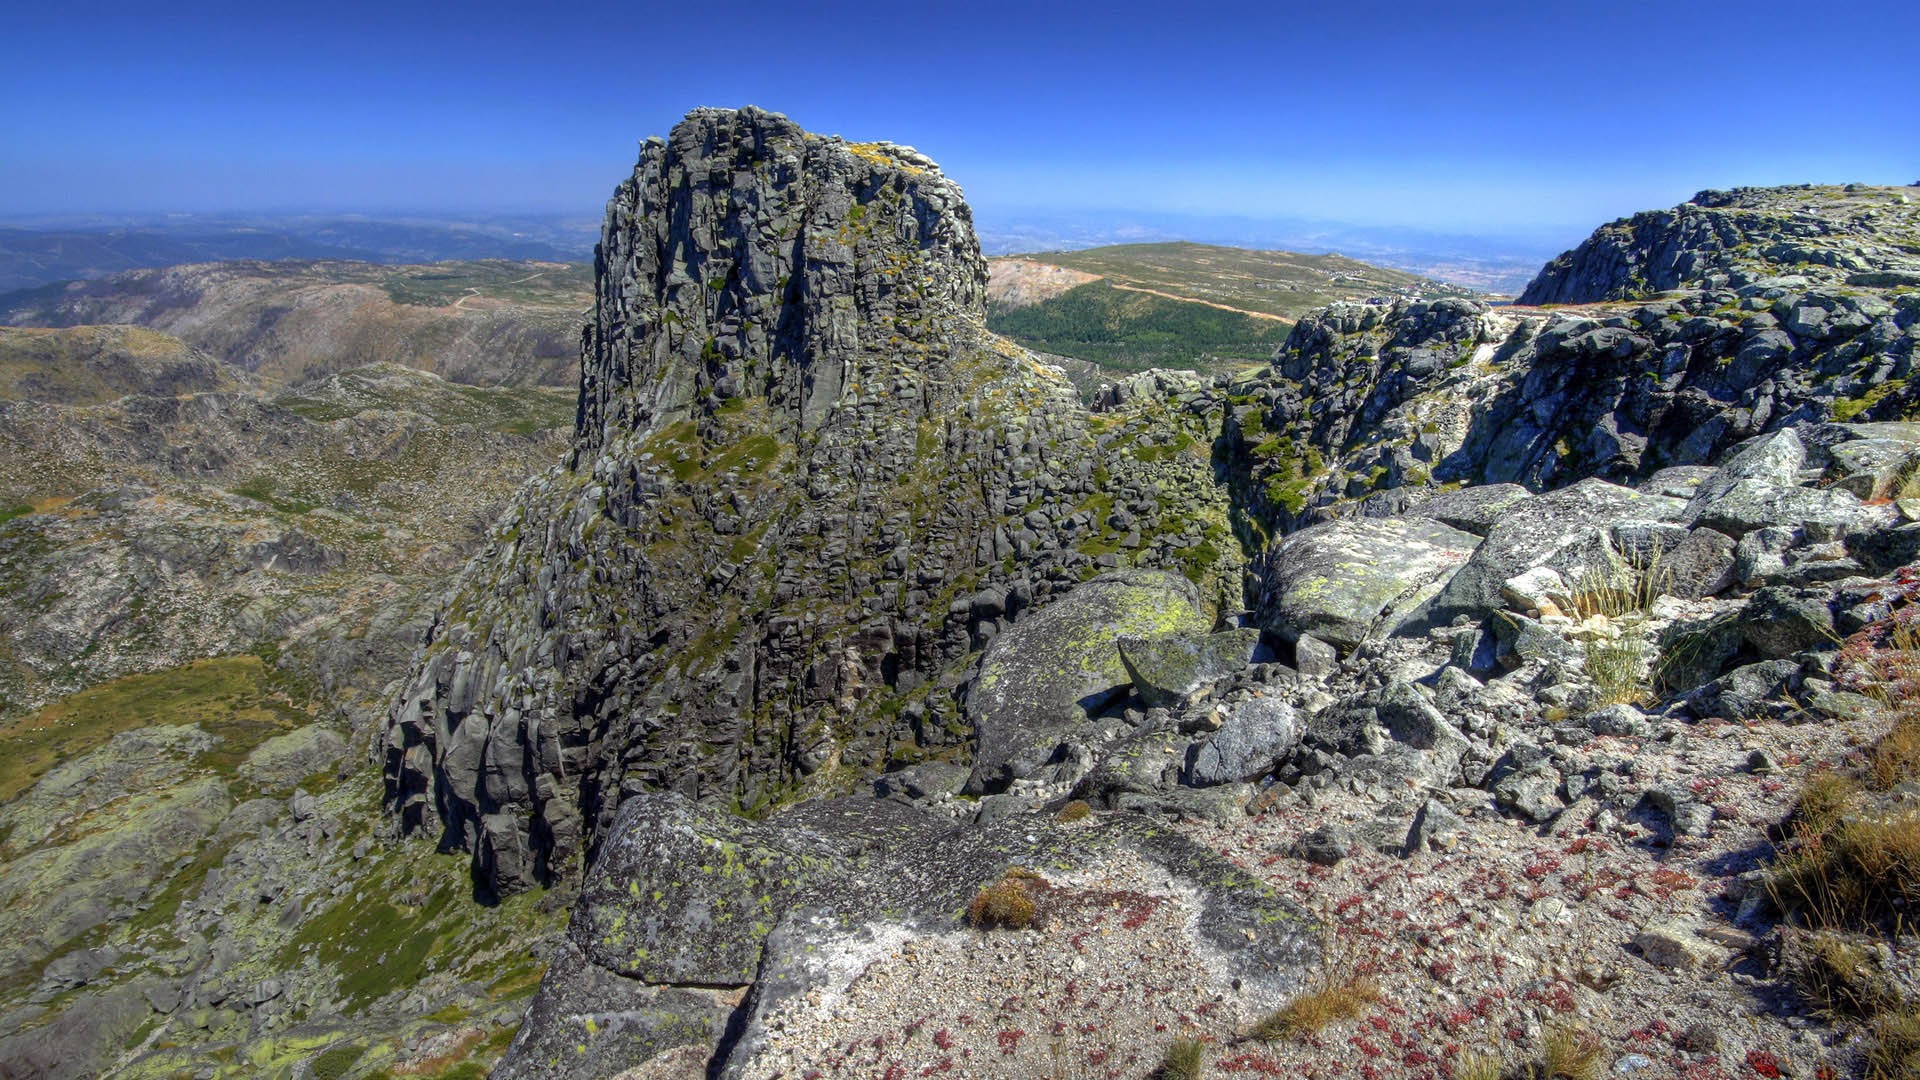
[
  {"x": 489, "y": 322},
  {"x": 209, "y": 584},
  {"x": 1131, "y": 307},
  {"x": 91, "y": 365},
  {"x": 1284, "y": 284}
]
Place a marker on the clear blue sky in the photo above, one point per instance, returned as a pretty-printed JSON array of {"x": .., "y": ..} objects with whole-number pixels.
[{"x": 1452, "y": 116}]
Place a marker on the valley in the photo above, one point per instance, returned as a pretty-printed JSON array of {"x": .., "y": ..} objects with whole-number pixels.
[{"x": 1132, "y": 307}]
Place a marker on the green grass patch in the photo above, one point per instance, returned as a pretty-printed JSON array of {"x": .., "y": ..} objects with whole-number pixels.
[
  {"x": 232, "y": 697},
  {"x": 1131, "y": 331},
  {"x": 412, "y": 915}
]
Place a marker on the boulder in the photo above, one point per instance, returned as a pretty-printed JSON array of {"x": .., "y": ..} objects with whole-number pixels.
[
  {"x": 1392, "y": 737},
  {"x": 1568, "y": 530},
  {"x": 1314, "y": 658},
  {"x": 1830, "y": 513},
  {"x": 589, "y": 1021},
  {"x": 1749, "y": 692},
  {"x": 686, "y": 900},
  {"x": 1041, "y": 679},
  {"x": 1257, "y": 733},
  {"x": 1345, "y": 581},
  {"x": 1168, "y": 668},
  {"x": 1474, "y": 509},
  {"x": 682, "y": 893},
  {"x": 1779, "y": 621}
]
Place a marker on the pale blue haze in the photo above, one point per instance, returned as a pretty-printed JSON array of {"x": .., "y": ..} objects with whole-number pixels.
[{"x": 1500, "y": 117}]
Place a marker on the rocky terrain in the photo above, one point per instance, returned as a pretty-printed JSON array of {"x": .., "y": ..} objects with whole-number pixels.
[
  {"x": 488, "y": 322},
  {"x": 211, "y": 582},
  {"x": 1454, "y": 636},
  {"x": 1469, "y": 691}
]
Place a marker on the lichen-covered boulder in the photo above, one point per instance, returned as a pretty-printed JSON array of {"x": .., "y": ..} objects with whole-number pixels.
[
  {"x": 1166, "y": 669},
  {"x": 1758, "y": 487},
  {"x": 1344, "y": 581},
  {"x": 589, "y": 1021},
  {"x": 685, "y": 894},
  {"x": 1040, "y": 680}
]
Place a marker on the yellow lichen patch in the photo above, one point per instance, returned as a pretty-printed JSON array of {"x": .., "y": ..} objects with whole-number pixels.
[{"x": 881, "y": 154}]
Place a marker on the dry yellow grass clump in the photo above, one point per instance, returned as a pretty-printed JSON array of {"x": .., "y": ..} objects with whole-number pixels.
[{"x": 1316, "y": 1009}]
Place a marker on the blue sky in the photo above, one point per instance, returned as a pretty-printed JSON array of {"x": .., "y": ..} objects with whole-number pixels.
[{"x": 1455, "y": 117}]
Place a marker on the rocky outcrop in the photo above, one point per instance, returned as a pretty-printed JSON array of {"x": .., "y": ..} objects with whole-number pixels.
[
  {"x": 805, "y": 485},
  {"x": 1379, "y": 402},
  {"x": 1856, "y": 235}
]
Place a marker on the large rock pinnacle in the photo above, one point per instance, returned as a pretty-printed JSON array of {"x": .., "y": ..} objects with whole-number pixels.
[{"x": 805, "y": 482}]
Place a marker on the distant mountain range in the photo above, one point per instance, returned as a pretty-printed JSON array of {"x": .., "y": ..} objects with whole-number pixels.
[
  {"x": 40, "y": 251},
  {"x": 1502, "y": 263},
  {"x": 43, "y": 251}
]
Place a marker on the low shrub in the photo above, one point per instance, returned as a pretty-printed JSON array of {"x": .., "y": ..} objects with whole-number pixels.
[{"x": 1005, "y": 903}]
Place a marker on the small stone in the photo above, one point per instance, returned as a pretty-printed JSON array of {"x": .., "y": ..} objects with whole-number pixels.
[
  {"x": 1326, "y": 845},
  {"x": 1315, "y": 658},
  {"x": 1675, "y": 944}
]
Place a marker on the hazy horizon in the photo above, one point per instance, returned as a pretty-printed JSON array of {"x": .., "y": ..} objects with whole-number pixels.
[{"x": 1501, "y": 118}]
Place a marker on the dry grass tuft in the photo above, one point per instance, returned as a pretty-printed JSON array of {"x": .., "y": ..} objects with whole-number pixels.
[
  {"x": 1861, "y": 873},
  {"x": 1477, "y": 1066},
  {"x": 1824, "y": 796},
  {"x": 1895, "y": 1054},
  {"x": 1839, "y": 976},
  {"x": 1896, "y": 757},
  {"x": 1624, "y": 585},
  {"x": 1312, "y": 1011},
  {"x": 1184, "y": 1060},
  {"x": 1570, "y": 1053},
  {"x": 1620, "y": 670}
]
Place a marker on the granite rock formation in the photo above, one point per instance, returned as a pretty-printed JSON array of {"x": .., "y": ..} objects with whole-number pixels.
[{"x": 805, "y": 484}]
